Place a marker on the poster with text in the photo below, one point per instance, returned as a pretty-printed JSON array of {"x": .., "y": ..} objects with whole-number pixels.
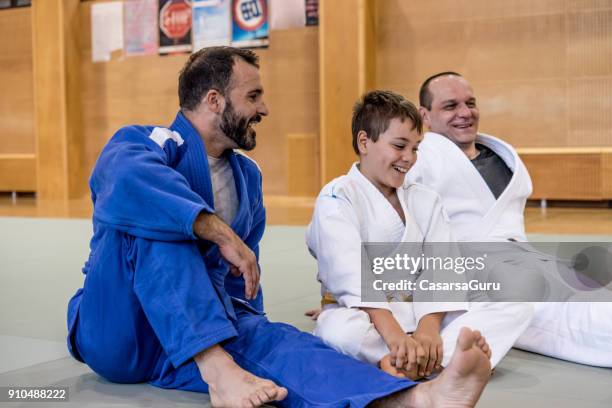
[
  {"x": 174, "y": 26},
  {"x": 312, "y": 12},
  {"x": 140, "y": 27},
  {"x": 212, "y": 21},
  {"x": 250, "y": 26}
]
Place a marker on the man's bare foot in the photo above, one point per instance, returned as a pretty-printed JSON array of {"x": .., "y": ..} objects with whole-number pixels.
[
  {"x": 482, "y": 343},
  {"x": 231, "y": 386},
  {"x": 458, "y": 386},
  {"x": 385, "y": 365}
]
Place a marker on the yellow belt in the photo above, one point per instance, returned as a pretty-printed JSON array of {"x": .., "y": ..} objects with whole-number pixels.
[{"x": 328, "y": 299}]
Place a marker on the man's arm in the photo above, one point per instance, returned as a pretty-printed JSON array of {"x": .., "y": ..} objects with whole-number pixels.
[{"x": 241, "y": 258}]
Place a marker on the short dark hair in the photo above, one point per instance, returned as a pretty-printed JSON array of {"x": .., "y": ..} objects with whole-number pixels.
[
  {"x": 209, "y": 68},
  {"x": 425, "y": 96},
  {"x": 376, "y": 109}
]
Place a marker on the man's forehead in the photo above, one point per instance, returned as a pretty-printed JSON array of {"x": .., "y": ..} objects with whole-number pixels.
[
  {"x": 450, "y": 87},
  {"x": 245, "y": 75}
]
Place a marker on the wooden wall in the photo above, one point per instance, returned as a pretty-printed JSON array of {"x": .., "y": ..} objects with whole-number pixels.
[
  {"x": 143, "y": 90},
  {"x": 542, "y": 71},
  {"x": 16, "y": 97},
  {"x": 17, "y": 142}
]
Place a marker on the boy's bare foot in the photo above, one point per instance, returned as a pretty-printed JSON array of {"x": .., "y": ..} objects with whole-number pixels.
[
  {"x": 385, "y": 365},
  {"x": 231, "y": 386},
  {"x": 458, "y": 386}
]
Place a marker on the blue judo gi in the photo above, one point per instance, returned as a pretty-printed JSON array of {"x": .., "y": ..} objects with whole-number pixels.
[{"x": 154, "y": 295}]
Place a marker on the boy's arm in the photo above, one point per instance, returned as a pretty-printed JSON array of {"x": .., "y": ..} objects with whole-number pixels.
[
  {"x": 405, "y": 351},
  {"x": 427, "y": 335}
]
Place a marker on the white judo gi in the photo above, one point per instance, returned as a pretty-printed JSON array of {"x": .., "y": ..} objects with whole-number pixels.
[
  {"x": 578, "y": 332},
  {"x": 351, "y": 210}
]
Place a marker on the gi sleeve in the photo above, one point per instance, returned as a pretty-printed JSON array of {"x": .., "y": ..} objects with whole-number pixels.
[
  {"x": 334, "y": 238},
  {"x": 135, "y": 190}
]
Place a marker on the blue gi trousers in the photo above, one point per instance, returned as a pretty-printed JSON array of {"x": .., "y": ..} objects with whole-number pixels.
[{"x": 147, "y": 307}]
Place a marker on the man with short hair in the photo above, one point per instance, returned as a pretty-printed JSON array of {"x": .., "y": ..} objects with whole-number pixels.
[
  {"x": 171, "y": 293},
  {"x": 484, "y": 186}
]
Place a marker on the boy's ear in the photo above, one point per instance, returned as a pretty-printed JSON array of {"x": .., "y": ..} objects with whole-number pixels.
[{"x": 362, "y": 142}]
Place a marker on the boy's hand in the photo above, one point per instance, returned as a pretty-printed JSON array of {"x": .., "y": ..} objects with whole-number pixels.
[
  {"x": 431, "y": 342},
  {"x": 406, "y": 352}
]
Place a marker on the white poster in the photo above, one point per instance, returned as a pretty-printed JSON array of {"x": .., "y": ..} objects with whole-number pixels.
[
  {"x": 287, "y": 14},
  {"x": 106, "y": 30},
  {"x": 211, "y": 23},
  {"x": 140, "y": 27}
]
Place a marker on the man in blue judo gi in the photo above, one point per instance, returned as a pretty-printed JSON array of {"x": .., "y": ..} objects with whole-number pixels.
[{"x": 171, "y": 293}]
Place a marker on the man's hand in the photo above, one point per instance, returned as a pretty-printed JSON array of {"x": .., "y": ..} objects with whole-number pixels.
[
  {"x": 240, "y": 257},
  {"x": 427, "y": 335}
]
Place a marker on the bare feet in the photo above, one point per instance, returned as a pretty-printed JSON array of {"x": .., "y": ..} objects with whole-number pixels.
[
  {"x": 385, "y": 365},
  {"x": 482, "y": 343},
  {"x": 231, "y": 386},
  {"x": 458, "y": 386}
]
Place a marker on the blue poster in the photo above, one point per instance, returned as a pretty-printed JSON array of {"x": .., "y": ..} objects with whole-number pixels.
[
  {"x": 211, "y": 23},
  {"x": 250, "y": 27}
]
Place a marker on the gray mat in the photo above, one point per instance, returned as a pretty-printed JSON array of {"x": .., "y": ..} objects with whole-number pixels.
[{"x": 40, "y": 260}]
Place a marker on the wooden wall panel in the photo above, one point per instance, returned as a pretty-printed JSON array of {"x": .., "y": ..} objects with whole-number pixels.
[
  {"x": 524, "y": 112},
  {"x": 56, "y": 62},
  {"x": 565, "y": 177},
  {"x": 395, "y": 12},
  {"x": 590, "y": 111},
  {"x": 589, "y": 42},
  {"x": 302, "y": 165},
  {"x": 289, "y": 72},
  {"x": 495, "y": 49},
  {"x": 17, "y": 172},
  {"x": 346, "y": 49},
  {"x": 16, "y": 97},
  {"x": 143, "y": 90},
  {"x": 541, "y": 70}
]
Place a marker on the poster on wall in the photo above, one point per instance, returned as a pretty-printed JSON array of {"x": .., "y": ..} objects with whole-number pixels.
[
  {"x": 286, "y": 14},
  {"x": 106, "y": 30},
  {"x": 250, "y": 26},
  {"x": 174, "y": 26},
  {"x": 211, "y": 23},
  {"x": 312, "y": 12},
  {"x": 140, "y": 27}
]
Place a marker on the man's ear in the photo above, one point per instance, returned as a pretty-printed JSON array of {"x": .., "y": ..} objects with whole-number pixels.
[
  {"x": 214, "y": 101},
  {"x": 425, "y": 115},
  {"x": 362, "y": 142}
]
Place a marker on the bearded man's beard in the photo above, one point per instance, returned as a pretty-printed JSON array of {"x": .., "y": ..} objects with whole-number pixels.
[{"x": 237, "y": 127}]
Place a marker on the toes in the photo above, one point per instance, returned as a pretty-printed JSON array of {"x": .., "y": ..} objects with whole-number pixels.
[
  {"x": 466, "y": 339},
  {"x": 281, "y": 393}
]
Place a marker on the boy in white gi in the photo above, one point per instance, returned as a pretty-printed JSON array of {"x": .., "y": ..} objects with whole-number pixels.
[{"x": 369, "y": 204}]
